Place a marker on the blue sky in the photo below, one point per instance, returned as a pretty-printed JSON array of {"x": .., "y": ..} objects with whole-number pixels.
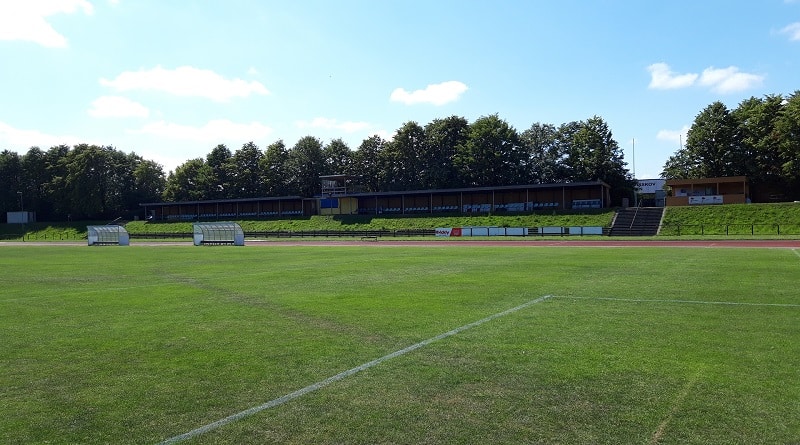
[{"x": 171, "y": 79}]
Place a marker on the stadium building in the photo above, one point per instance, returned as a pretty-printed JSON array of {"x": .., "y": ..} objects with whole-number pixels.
[{"x": 341, "y": 197}]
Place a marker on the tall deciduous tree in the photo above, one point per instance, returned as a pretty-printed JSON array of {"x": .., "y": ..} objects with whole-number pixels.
[
  {"x": 442, "y": 137},
  {"x": 149, "y": 180},
  {"x": 759, "y": 141},
  {"x": 244, "y": 172},
  {"x": 189, "y": 182},
  {"x": 35, "y": 178},
  {"x": 10, "y": 181},
  {"x": 306, "y": 164},
  {"x": 402, "y": 158},
  {"x": 219, "y": 163},
  {"x": 788, "y": 129},
  {"x": 543, "y": 155},
  {"x": 367, "y": 163},
  {"x": 713, "y": 140},
  {"x": 492, "y": 155},
  {"x": 56, "y": 188},
  {"x": 338, "y": 158},
  {"x": 275, "y": 168},
  {"x": 592, "y": 154}
]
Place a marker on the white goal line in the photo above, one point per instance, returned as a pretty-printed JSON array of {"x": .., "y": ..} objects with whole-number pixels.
[{"x": 342, "y": 375}]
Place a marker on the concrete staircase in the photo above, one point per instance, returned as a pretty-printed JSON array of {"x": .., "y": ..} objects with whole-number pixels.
[{"x": 637, "y": 221}]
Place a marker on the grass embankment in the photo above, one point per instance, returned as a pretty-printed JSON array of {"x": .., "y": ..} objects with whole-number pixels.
[
  {"x": 77, "y": 230},
  {"x": 640, "y": 345},
  {"x": 734, "y": 219},
  {"x": 47, "y": 231},
  {"x": 347, "y": 222},
  {"x": 731, "y": 220}
]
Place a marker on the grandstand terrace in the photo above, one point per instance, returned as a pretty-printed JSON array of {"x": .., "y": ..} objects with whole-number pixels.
[{"x": 336, "y": 199}]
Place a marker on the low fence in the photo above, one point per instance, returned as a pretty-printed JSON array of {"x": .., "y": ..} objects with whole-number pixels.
[
  {"x": 342, "y": 233},
  {"x": 34, "y": 236},
  {"x": 729, "y": 229}
]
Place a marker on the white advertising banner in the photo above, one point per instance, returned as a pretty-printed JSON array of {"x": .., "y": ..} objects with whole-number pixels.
[
  {"x": 710, "y": 199},
  {"x": 650, "y": 186},
  {"x": 448, "y": 231},
  {"x": 481, "y": 231}
]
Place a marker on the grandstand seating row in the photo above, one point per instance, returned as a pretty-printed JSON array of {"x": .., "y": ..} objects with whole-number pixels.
[
  {"x": 466, "y": 208},
  {"x": 445, "y": 208},
  {"x": 190, "y": 217},
  {"x": 511, "y": 206},
  {"x": 586, "y": 204}
]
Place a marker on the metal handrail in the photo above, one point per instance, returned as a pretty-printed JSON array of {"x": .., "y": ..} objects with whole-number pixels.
[{"x": 636, "y": 212}]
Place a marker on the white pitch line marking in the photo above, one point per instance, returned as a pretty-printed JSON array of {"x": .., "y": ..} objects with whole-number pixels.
[
  {"x": 659, "y": 433},
  {"x": 342, "y": 375},
  {"x": 796, "y": 252},
  {"x": 642, "y": 300}
]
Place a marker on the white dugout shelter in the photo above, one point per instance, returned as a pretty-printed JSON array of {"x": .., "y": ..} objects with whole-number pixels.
[
  {"x": 109, "y": 234},
  {"x": 218, "y": 233}
]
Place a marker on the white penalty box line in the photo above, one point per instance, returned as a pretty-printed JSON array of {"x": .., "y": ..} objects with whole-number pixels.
[{"x": 342, "y": 375}]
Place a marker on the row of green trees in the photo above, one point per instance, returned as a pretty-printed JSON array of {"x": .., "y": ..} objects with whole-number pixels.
[
  {"x": 446, "y": 153},
  {"x": 80, "y": 182},
  {"x": 88, "y": 181},
  {"x": 759, "y": 139}
]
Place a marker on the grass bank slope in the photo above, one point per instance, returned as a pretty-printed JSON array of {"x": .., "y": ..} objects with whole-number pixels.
[
  {"x": 765, "y": 219},
  {"x": 349, "y": 222}
]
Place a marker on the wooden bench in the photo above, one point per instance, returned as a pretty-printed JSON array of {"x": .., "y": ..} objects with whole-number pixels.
[{"x": 369, "y": 238}]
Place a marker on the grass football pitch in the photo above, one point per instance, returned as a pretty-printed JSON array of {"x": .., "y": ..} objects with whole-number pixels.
[{"x": 401, "y": 345}]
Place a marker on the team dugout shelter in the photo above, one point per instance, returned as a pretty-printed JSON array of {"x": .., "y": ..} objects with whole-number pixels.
[
  {"x": 214, "y": 233},
  {"x": 341, "y": 196},
  {"x": 111, "y": 234}
]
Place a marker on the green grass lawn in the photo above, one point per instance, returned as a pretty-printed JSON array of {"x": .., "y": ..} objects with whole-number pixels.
[
  {"x": 735, "y": 219},
  {"x": 601, "y": 218},
  {"x": 636, "y": 345}
]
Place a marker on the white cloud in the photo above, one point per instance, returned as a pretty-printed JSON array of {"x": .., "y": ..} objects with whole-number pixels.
[
  {"x": 436, "y": 94},
  {"x": 333, "y": 124},
  {"x": 22, "y": 140},
  {"x": 793, "y": 31},
  {"x": 27, "y": 20},
  {"x": 185, "y": 81},
  {"x": 678, "y": 136},
  {"x": 117, "y": 106},
  {"x": 729, "y": 80},
  {"x": 662, "y": 78},
  {"x": 215, "y": 131},
  {"x": 719, "y": 80}
]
